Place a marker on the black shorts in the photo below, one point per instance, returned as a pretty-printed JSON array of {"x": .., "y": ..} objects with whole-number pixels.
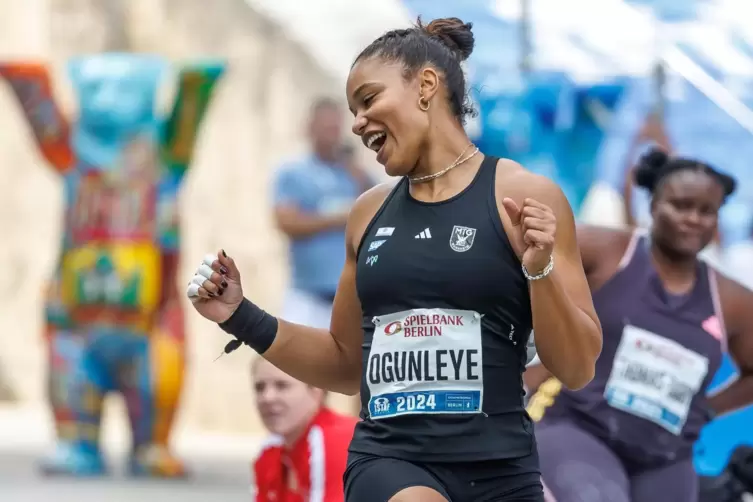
[{"x": 370, "y": 478}]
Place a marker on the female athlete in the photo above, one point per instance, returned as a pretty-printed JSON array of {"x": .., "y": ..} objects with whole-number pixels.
[
  {"x": 667, "y": 317},
  {"x": 447, "y": 272}
]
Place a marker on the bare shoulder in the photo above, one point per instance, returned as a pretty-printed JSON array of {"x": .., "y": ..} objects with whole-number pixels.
[
  {"x": 729, "y": 287},
  {"x": 736, "y": 300},
  {"x": 369, "y": 202},
  {"x": 602, "y": 250},
  {"x": 518, "y": 183},
  {"x": 615, "y": 240},
  {"x": 597, "y": 244},
  {"x": 364, "y": 210}
]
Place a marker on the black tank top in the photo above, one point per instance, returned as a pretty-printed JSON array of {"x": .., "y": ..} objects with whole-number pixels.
[
  {"x": 446, "y": 319},
  {"x": 648, "y": 397}
]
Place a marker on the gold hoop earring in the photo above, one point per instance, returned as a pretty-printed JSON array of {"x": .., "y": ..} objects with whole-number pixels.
[{"x": 423, "y": 104}]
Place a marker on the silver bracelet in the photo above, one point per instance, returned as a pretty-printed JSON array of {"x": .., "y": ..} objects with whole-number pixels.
[{"x": 547, "y": 270}]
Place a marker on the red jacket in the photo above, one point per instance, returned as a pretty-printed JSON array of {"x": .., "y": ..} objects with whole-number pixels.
[{"x": 312, "y": 471}]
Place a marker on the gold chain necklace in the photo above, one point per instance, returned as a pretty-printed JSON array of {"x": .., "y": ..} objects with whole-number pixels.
[{"x": 460, "y": 160}]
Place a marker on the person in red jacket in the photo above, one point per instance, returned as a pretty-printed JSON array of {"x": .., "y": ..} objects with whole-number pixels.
[{"x": 305, "y": 457}]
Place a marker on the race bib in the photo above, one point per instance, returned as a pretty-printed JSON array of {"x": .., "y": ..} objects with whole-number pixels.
[
  {"x": 655, "y": 378},
  {"x": 124, "y": 276},
  {"x": 425, "y": 361}
]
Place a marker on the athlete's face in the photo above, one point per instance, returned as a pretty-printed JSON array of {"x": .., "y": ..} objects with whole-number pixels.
[
  {"x": 285, "y": 404},
  {"x": 685, "y": 211},
  {"x": 387, "y": 116}
]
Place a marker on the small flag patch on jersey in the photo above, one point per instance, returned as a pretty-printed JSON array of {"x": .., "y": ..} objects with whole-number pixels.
[{"x": 385, "y": 231}]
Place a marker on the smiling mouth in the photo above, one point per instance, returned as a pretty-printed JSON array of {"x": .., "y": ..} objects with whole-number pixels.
[{"x": 376, "y": 141}]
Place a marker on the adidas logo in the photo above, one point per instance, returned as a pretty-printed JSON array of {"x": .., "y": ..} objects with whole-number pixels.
[{"x": 425, "y": 234}]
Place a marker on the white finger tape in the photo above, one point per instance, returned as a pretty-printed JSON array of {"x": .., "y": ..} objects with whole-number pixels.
[
  {"x": 209, "y": 259},
  {"x": 198, "y": 280},
  {"x": 205, "y": 271},
  {"x": 193, "y": 290}
]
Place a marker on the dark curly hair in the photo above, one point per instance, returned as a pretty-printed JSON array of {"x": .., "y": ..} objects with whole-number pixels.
[
  {"x": 657, "y": 164},
  {"x": 443, "y": 43}
]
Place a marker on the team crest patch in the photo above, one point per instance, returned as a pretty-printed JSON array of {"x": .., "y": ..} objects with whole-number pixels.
[{"x": 462, "y": 238}]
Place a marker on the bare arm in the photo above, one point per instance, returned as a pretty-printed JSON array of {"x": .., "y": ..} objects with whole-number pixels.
[
  {"x": 331, "y": 359},
  {"x": 600, "y": 250},
  {"x": 328, "y": 359},
  {"x": 628, "y": 186},
  {"x": 568, "y": 332},
  {"x": 290, "y": 194},
  {"x": 297, "y": 224},
  {"x": 738, "y": 317},
  {"x": 652, "y": 131},
  {"x": 627, "y": 196}
]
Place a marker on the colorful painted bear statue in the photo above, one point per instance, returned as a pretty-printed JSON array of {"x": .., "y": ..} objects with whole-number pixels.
[{"x": 114, "y": 322}]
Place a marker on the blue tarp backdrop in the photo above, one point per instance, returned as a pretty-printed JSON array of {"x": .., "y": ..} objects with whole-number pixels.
[{"x": 553, "y": 120}]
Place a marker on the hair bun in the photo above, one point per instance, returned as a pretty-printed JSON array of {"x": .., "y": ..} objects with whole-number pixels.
[
  {"x": 453, "y": 33},
  {"x": 649, "y": 166}
]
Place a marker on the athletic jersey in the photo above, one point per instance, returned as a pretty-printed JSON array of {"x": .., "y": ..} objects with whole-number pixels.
[
  {"x": 311, "y": 471},
  {"x": 647, "y": 399},
  {"x": 446, "y": 318}
]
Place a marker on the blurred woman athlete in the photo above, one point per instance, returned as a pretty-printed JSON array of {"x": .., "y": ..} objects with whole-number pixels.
[
  {"x": 446, "y": 274},
  {"x": 628, "y": 435}
]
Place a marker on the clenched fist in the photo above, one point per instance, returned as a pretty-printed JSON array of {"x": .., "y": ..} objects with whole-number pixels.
[
  {"x": 534, "y": 228},
  {"x": 215, "y": 289}
]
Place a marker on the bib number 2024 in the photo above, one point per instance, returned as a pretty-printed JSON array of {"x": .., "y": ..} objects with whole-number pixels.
[{"x": 416, "y": 402}]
